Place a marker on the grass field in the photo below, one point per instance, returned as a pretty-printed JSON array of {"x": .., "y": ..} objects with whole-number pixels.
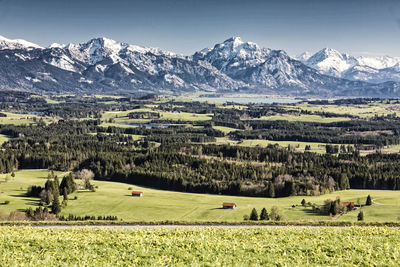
[
  {"x": 284, "y": 246},
  {"x": 3, "y": 138},
  {"x": 17, "y": 119},
  {"x": 363, "y": 111},
  {"x": 300, "y": 146},
  {"x": 224, "y": 129},
  {"x": 14, "y": 190},
  {"x": 158, "y": 205},
  {"x": 304, "y": 118},
  {"x": 121, "y": 119}
]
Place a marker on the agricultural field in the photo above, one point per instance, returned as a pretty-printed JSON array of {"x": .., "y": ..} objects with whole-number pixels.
[
  {"x": 281, "y": 246},
  {"x": 112, "y": 198},
  {"x": 18, "y": 119},
  {"x": 298, "y": 146},
  {"x": 304, "y": 118},
  {"x": 361, "y": 110}
]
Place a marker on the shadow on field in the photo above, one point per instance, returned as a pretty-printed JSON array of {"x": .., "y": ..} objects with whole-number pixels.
[{"x": 313, "y": 213}]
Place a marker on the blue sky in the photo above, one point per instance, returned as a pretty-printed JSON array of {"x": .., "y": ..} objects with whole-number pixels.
[{"x": 184, "y": 26}]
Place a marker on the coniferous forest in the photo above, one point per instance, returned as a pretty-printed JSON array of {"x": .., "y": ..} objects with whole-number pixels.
[{"x": 138, "y": 141}]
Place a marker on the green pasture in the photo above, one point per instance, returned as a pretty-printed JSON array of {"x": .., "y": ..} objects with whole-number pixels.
[{"x": 115, "y": 199}]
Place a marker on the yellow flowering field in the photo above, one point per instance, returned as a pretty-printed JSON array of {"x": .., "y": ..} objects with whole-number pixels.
[{"x": 270, "y": 246}]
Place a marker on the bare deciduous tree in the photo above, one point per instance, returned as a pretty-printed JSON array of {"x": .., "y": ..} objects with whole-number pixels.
[{"x": 86, "y": 176}]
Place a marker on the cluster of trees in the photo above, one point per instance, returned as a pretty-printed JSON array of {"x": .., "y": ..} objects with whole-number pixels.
[
  {"x": 335, "y": 207},
  {"x": 50, "y": 193},
  {"x": 374, "y": 132},
  {"x": 40, "y": 214},
  {"x": 144, "y": 115},
  {"x": 275, "y": 215}
]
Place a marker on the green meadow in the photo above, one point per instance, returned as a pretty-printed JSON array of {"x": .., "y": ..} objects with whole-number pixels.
[{"x": 115, "y": 199}]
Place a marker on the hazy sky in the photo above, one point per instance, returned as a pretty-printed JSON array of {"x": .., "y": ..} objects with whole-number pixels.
[{"x": 185, "y": 26}]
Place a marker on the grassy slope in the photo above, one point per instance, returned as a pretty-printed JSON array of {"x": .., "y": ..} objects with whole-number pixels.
[
  {"x": 156, "y": 205},
  {"x": 15, "y": 189}
]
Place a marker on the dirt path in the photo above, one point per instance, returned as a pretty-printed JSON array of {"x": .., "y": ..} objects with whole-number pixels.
[{"x": 382, "y": 204}]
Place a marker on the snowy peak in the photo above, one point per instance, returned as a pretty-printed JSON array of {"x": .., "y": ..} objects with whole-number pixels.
[
  {"x": 330, "y": 62},
  {"x": 98, "y": 49},
  {"x": 235, "y": 41},
  {"x": 371, "y": 69},
  {"x": 17, "y": 44},
  {"x": 378, "y": 62},
  {"x": 232, "y": 54},
  {"x": 328, "y": 52}
]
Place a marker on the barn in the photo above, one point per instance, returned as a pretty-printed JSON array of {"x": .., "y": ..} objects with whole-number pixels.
[
  {"x": 137, "y": 194},
  {"x": 226, "y": 205},
  {"x": 347, "y": 204}
]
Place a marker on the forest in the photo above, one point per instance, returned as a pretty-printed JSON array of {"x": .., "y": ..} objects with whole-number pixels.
[{"x": 139, "y": 142}]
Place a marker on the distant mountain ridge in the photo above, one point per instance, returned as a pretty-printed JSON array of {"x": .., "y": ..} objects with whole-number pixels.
[
  {"x": 102, "y": 65},
  {"x": 378, "y": 69}
]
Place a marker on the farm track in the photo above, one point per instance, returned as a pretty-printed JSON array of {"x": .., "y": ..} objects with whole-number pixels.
[{"x": 382, "y": 204}]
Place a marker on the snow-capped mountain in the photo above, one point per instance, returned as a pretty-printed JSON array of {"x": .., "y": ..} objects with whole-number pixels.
[
  {"x": 331, "y": 62},
  {"x": 103, "y": 65},
  {"x": 269, "y": 70},
  {"x": 370, "y": 69},
  {"x": 16, "y": 44}
]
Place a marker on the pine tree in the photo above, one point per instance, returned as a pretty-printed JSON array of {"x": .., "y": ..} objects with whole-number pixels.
[
  {"x": 254, "y": 215},
  {"x": 56, "y": 185},
  {"x": 65, "y": 194},
  {"x": 264, "y": 215},
  {"x": 271, "y": 190},
  {"x": 56, "y": 207},
  {"x": 344, "y": 182},
  {"x": 369, "y": 201},
  {"x": 360, "y": 216}
]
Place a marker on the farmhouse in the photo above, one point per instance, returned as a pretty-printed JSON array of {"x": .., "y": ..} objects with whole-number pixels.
[
  {"x": 347, "y": 204},
  {"x": 229, "y": 205},
  {"x": 137, "y": 194}
]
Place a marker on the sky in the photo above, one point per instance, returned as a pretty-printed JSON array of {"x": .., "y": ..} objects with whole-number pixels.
[{"x": 358, "y": 27}]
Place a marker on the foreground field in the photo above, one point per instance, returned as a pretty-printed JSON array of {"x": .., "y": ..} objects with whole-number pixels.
[
  {"x": 366, "y": 246},
  {"x": 115, "y": 199}
]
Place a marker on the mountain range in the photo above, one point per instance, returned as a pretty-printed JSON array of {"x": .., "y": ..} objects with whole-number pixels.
[
  {"x": 369, "y": 69},
  {"x": 103, "y": 65}
]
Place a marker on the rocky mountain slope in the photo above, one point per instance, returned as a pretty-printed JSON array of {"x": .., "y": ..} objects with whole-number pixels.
[{"x": 103, "y": 65}]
